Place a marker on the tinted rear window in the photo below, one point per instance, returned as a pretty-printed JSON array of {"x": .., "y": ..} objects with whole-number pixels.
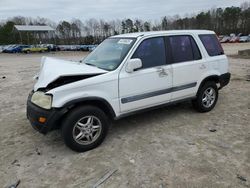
[
  {"x": 211, "y": 44},
  {"x": 184, "y": 49}
]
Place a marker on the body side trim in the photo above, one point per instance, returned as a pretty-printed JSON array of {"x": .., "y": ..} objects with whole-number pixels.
[
  {"x": 153, "y": 107},
  {"x": 156, "y": 93}
]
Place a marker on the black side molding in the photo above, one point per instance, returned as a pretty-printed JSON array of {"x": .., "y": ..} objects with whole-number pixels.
[
  {"x": 224, "y": 80},
  {"x": 153, "y": 108},
  {"x": 156, "y": 93}
]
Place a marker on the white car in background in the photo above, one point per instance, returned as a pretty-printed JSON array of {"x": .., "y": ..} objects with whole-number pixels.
[
  {"x": 126, "y": 74},
  {"x": 244, "y": 39}
]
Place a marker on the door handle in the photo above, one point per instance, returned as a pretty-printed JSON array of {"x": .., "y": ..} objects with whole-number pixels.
[
  {"x": 162, "y": 72},
  {"x": 160, "y": 69},
  {"x": 203, "y": 66}
]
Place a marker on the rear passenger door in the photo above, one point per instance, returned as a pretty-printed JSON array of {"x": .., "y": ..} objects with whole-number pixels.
[{"x": 188, "y": 65}]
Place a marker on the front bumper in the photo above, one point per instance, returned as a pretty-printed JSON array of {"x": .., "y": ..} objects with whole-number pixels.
[
  {"x": 224, "y": 79},
  {"x": 52, "y": 116}
]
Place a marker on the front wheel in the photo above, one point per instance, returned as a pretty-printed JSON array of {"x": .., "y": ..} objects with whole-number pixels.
[
  {"x": 85, "y": 128},
  {"x": 206, "y": 97}
]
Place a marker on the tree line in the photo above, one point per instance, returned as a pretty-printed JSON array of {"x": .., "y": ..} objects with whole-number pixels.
[{"x": 221, "y": 20}]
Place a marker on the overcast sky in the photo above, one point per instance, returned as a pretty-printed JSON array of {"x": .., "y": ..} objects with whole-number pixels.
[{"x": 107, "y": 9}]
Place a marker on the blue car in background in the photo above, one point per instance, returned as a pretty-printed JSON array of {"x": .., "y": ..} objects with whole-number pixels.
[
  {"x": 89, "y": 47},
  {"x": 92, "y": 47},
  {"x": 15, "y": 48}
]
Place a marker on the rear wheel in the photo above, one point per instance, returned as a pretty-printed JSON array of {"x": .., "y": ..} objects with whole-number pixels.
[
  {"x": 85, "y": 128},
  {"x": 206, "y": 97}
]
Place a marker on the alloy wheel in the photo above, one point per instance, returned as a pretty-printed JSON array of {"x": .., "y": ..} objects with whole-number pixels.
[
  {"x": 208, "y": 97},
  {"x": 87, "y": 130}
]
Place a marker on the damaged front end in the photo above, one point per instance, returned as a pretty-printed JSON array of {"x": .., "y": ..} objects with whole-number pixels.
[
  {"x": 63, "y": 80},
  {"x": 53, "y": 74},
  {"x": 56, "y": 72}
]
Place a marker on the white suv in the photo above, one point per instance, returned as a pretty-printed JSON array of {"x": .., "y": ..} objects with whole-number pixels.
[{"x": 124, "y": 75}]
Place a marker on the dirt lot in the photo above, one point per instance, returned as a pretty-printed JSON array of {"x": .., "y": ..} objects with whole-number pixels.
[{"x": 169, "y": 147}]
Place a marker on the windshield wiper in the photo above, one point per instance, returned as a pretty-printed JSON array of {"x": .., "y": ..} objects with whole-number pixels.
[
  {"x": 96, "y": 66},
  {"x": 91, "y": 65}
]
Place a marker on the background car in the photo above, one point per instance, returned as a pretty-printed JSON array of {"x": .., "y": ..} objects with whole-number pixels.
[
  {"x": 225, "y": 39},
  {"x": 61, "y": 47},
  {"x": 92, "y": 47},
  {"x": 51, "y": 47},
  {"x": 1, "y": 48},
  {"x": 34, "y": 48},
  {"x": 220, "y": 37},
  {"x": 6, "y": 47},
  {"x": 16, "y": 48},
  {"x": 65, "y": 47},
  {"x": 84, "y": 47},
  {"x": 244, "y": 39},
  {"x": 235, "y": 38}
]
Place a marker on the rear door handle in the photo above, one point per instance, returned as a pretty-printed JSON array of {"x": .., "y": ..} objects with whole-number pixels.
[{"x": 203, "y": 66}]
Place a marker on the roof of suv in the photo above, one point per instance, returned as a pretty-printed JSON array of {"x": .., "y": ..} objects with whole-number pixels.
[{"x": 152, "y": 33}]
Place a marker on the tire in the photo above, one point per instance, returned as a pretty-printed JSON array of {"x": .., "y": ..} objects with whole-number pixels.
[
  {"x": 206, "y": 97},
  {"x": 78, "y": 126}
]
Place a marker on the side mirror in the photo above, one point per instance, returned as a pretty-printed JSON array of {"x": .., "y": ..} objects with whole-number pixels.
[{"x": 133, "y": 64}]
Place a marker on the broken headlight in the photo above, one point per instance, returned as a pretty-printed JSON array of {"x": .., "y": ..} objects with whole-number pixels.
[{"x": 41, "y": 99}]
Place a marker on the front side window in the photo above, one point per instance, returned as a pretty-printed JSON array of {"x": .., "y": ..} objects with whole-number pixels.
[
  {"x": 110, "y": 53},
  {"x": 184, "y": 48},
  {"x": 151, "y": 52},
  {"x": 211, "y": 44}
]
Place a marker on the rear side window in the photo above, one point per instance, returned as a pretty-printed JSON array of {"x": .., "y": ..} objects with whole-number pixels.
[
  {"x": 151, "y": 52},
  {"x": 184, "y": 48},
  {"x": 211, "y": 44}
]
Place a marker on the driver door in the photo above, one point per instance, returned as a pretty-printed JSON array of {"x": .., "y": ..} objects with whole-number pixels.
[{"x": 149, "y": 85}]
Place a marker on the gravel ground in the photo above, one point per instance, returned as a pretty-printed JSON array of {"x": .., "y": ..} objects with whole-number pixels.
[{"x": 168, "y": 147}]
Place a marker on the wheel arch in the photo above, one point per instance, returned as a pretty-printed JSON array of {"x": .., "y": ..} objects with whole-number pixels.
[
  {"x": 94, "y": 101},
  {"x": 214, "y": 78}
]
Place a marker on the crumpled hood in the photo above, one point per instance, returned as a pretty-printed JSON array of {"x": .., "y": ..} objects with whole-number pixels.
[{"x": 52, "y": 69}]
